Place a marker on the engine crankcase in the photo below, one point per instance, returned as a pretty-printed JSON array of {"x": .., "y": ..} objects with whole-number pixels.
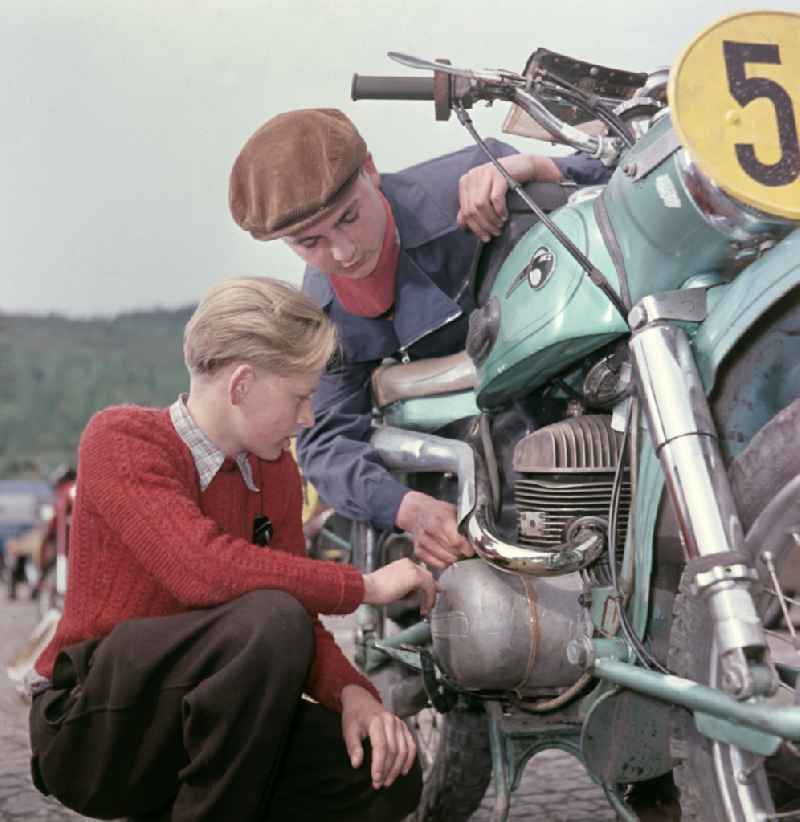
[{"x": 494, "y": 630}]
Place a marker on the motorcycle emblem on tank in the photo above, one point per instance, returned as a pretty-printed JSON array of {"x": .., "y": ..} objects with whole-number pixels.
[{"x": 537, "y": 272}]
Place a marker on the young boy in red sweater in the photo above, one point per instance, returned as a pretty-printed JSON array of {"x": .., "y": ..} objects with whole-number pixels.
[{"x": 172, "y": 688}]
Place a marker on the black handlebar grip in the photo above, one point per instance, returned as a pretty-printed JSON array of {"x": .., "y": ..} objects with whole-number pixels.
[{"x": 391, "y": 88}]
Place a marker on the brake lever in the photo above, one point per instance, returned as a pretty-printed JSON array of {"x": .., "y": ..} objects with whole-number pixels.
[
  {"x": 428, "y": 65},
  {"x": 497, "y": 76}
]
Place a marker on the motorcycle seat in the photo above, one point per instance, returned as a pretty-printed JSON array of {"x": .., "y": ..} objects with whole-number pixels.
[{"x": 393, "y": 381}]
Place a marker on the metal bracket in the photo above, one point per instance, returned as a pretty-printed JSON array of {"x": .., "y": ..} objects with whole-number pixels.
[
  {"x": 441, "y": 697},
  {"x": 404, "y": 647},
  {"x": 406, "y": 654},
  {"x": 515, "y": 739},
  {"x": 655, "y": 154},
  {"x": 722, "y": 573},
  {"x": 688, "y": 305}
]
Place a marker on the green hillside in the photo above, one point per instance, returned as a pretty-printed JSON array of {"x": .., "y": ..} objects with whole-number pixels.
[{"x": 56, "y": 372}]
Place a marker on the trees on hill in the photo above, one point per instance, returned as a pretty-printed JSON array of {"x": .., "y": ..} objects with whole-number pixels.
[{"x": 56, "y": 372}]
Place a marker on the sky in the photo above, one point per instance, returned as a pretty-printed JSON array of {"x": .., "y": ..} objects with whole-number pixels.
[{"x": 121, "y": 119}]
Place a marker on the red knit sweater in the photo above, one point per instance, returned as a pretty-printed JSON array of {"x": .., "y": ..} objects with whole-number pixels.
[{"x": 146, "y": 541}]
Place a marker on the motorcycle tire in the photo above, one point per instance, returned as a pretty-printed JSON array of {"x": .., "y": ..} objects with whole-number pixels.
[
  {"x": 454, "y": 752},
  {"x": 705, "y": 771}
]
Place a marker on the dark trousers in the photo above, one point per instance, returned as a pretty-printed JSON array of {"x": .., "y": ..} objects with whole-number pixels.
[{"x": 202, "y": 712}]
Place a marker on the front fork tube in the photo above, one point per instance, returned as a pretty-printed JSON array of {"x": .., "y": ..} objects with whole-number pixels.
[{"x": 685, "y": 440}]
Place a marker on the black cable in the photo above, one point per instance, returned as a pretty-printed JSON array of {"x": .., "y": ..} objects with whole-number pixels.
[
  {"x": 568, "y": 389},
  {"x": 594, "y": 274},
  {"x": 642, "y": 654},
  {"x": 591, "y": 104}
]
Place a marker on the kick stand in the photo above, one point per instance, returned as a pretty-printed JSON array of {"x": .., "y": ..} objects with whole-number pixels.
[{"x": 516, "y": 737}]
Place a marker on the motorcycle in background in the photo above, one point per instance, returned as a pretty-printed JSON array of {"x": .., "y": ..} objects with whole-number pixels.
[
  {"x": 622, "y": 441},
  {"x": 51, "y": 583}
]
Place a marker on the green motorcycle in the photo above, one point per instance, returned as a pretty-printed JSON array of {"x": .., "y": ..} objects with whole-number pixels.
[{"x": 622, "y": 440}]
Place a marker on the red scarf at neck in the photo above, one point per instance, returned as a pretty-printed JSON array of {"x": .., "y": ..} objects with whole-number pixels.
[{"x": 373, "y": 295}]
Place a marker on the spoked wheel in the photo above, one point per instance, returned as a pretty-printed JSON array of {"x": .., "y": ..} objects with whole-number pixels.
[
  {"x": 717, "y": 782},
  {"x": 453, "y": 750}
]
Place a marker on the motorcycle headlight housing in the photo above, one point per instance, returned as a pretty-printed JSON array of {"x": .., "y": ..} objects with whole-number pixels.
[{"x": 737, "y": 221}]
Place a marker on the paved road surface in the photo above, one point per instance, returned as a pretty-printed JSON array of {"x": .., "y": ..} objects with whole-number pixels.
[{"x": 554, "y": 788}]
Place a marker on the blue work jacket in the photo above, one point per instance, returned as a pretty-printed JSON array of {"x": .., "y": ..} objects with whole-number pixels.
[{"x": 432, "y": 304}]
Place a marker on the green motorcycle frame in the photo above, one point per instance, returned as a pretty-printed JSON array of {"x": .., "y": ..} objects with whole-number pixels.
[{"x": 663, "y": 664}]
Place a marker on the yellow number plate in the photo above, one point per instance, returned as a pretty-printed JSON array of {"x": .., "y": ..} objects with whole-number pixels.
[{"x": 734, "y": 96}]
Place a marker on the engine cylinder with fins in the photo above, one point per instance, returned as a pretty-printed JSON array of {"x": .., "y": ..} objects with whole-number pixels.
[{"x": 567, "y": 471}]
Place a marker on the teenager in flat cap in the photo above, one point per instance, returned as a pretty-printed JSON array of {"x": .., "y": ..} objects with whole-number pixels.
[
  {"x": 388, "y": 257},
  {"x": 172, "y": 689}
]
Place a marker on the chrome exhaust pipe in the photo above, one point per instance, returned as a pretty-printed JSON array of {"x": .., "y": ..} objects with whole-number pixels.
[
  {"x": 585, "y": 539},
  {"x": 412, "y": 451}
]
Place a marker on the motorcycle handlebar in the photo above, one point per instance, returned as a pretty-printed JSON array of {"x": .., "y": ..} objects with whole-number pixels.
[
  {"x": 366, "y": 87},
  {"x": 451, "y": 86}
]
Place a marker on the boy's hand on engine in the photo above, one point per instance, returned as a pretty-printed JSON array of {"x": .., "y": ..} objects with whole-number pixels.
[
  {"x": 433, "y": 525},
  {"x": 398, "y": 579}
]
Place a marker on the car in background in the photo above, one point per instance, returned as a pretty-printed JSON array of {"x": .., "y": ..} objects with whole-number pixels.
[{"x": 25, "y": 507}]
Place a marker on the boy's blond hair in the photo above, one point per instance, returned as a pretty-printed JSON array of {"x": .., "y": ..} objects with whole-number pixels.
[{"x": 257, "y": 320}]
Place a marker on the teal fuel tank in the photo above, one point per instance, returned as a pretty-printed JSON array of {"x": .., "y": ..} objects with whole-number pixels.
[{"x": 548, "y": 314}]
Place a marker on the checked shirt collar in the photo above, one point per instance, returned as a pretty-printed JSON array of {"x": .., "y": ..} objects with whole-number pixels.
[{"x": 207, "y": 457}]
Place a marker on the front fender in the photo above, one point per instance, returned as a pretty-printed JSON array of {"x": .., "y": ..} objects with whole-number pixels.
[
  {"x": 748, "y": 348},
  {"x": 736, "y": 307}
]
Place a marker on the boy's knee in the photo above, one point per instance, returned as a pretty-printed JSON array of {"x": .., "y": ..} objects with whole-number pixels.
[{"x": 277, "y": 619}]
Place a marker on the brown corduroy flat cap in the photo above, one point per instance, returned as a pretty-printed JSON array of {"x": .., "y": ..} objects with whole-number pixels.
[{"x": 293, "y": 168}]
